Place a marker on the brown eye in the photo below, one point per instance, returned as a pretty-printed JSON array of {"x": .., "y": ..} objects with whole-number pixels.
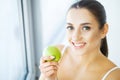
[
  {"x": 70, "y": 27},
  {"x": 86, "y": 28}
]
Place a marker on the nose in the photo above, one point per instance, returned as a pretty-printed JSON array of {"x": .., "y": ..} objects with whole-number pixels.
[{"x": 76, "y": 35}]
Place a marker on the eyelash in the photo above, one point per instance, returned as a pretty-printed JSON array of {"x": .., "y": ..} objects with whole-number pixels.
[
  {"x": 70, "y": 27},
  {"x": 84, "y": 28}
]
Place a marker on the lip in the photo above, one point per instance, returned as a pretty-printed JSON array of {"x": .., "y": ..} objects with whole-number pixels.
[{"x": 78, "y": 45}]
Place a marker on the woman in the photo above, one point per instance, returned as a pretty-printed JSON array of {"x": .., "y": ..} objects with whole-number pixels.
[{"x": 85, "y": 58}]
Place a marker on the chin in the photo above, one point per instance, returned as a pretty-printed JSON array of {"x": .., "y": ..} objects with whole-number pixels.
[{"x": 78, "y": 51}]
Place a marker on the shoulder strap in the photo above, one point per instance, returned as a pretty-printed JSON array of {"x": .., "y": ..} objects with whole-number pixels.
[
  {"x": 105, "y": 76},
  {"x": 63, "y": 50}
]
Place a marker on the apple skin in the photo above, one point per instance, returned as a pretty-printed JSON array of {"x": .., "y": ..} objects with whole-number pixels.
[{"x": 52, "y": 51}]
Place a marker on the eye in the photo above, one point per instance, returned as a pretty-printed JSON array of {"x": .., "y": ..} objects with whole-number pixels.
[
  {"x": 70, "y": 27},
  {"x": 86, "y": 28}
]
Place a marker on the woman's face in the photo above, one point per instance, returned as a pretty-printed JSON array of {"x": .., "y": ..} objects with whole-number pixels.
[{"x": 83, "y": 31}]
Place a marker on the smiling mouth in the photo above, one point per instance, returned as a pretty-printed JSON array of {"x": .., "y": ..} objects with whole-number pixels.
[{"x": 79, "y": 45}]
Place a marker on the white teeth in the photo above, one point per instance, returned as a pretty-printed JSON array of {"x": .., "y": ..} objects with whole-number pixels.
[{"x": 78, "y": 45}]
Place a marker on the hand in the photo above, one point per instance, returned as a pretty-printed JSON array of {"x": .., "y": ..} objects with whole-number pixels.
[{"x": 48, "y": 68}]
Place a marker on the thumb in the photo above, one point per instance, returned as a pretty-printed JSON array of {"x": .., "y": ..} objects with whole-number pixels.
[{"x": 46, "y": 58}]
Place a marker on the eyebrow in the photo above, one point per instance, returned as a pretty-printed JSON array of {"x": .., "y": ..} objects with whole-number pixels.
[{"x": 80, "y": 24}]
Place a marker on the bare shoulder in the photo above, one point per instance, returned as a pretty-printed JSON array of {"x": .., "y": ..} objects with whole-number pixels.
[
  {"x": 60, "y": 46},
  {"x": 115, "y": 75}
]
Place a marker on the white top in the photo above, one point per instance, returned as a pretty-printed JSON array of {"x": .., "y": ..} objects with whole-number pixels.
[
  {"x": 63, "y": 50},
  {"x": 107, "y": 73}
]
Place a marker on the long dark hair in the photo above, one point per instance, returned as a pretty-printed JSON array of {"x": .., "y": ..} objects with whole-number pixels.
[{"x": 97, "y": 9}]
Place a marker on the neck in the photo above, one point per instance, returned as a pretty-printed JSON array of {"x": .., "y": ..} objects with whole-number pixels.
[{"x": 85, "y": 59}]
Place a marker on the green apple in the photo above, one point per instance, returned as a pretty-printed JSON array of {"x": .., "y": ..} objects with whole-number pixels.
[{"x": 52, "y": 51}]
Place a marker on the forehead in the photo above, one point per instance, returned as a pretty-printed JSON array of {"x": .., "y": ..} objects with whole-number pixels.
[{"x": 80, "y": 15}]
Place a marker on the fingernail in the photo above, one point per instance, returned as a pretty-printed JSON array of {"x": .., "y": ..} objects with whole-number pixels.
[{"x": 52, "y": 57}]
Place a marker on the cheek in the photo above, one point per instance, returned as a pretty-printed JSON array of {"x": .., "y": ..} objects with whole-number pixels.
[
  {"x": 94, "y": 38},
  {"x": 69, "y": 36}
]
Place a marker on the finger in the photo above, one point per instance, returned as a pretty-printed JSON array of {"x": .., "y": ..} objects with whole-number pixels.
[
  {"x": 47, "y": 64},
  {"x": 51, "y": 72},
  {"x": 42, "y": 60},
  {"x": 46, "y": 58},
  {"x": 47, "y": 69},
  {"x": 43, "y": 67}
]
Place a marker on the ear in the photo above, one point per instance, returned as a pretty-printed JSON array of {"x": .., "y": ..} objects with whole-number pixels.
[{"x": 104, "y": 31}]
